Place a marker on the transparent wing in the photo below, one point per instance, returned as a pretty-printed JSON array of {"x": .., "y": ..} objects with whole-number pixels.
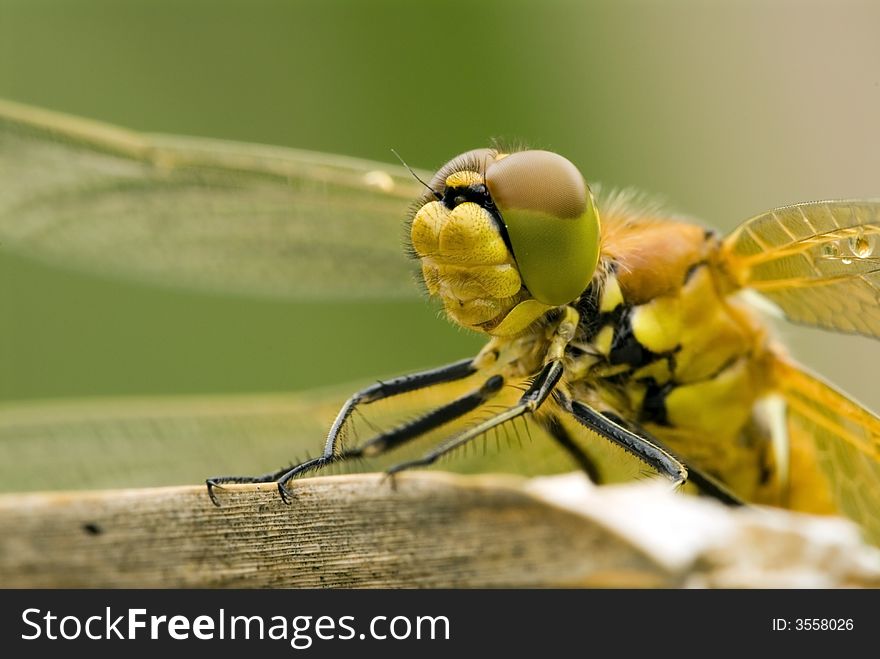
[
  {"x": 147, "y": 442},
  {"x": 200, "y": 213},
  {"x": 843, "y": 437},
  {"x": 819, "y": 262},
  {"x": 140, "y": 442}
]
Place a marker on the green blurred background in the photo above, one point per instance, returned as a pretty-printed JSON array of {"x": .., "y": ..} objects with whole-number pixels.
[{"x": 724, "y": 111}]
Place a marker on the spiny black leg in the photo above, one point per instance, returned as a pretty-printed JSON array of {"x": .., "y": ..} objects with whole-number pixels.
[
  {"x": 378, "y": 391},
  {"x": 707, "y": 484},
  {"x": 401, "y": 434},
  {"x": 217, "y": 482},
  {"x": 389, "y": 388},
  {"x": 379, "y": 444},
  {"x": 433, "y": 419},
  {"x": 646, "y": 450},
  {"x": 536, "y": 394},
  {"x": 644, "y": 446}
]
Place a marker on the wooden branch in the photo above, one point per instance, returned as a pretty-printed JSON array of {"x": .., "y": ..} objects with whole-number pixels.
[{"x": 433, "y": 530}]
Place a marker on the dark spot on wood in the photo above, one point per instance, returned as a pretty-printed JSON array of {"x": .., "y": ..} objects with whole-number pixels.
[{"x": 92, "y": 529}]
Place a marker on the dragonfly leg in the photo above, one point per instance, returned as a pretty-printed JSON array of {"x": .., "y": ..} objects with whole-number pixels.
[
  {"x": 217, "y": 482},
  {"x": 396, "y": 436},
  {"x": 534, "y": 396},
  {"x": 648, "y": 449},
  {"x": 333, "y": 453},
  {"x": 390, "y": 388}
]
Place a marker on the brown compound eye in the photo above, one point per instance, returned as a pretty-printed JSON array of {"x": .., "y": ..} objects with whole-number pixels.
[
  {"x": 551, "y": 220},
  {"x": 538, "y": 181}
]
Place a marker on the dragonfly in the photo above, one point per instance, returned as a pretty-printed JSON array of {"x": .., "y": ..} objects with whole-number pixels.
[{"x": 623, "y": 331}]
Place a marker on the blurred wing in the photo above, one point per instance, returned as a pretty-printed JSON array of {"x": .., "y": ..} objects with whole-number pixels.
[
  {"x": 819, "y": 262},
  {"x": 200, "y": 213},
  {"x": 155, "y": 441},
  {"x": 843, "y": 436},
  {"x": 145, "y": 442}
]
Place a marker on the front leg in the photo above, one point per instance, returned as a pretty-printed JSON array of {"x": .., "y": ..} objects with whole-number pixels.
[
  {"x": 534, "y": 396},
  {"x": 332, "y": 451},
  {"x": 542, "y": 386}
]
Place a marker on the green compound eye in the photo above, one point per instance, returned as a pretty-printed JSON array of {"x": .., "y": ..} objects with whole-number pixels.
[{"x": 552, "y": 222}]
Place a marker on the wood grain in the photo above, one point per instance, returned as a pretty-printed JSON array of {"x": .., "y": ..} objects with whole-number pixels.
[
  {"x": 435, "y": 530},
  {"x": 430, "y": 530}
]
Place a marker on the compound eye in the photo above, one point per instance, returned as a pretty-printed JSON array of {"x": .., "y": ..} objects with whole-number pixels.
[
  {"x": 538, "y": 181},
  {"x": 551, "y": 220}
]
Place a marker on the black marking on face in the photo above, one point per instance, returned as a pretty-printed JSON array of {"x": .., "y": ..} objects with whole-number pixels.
[{"x": 477, "y": 193}]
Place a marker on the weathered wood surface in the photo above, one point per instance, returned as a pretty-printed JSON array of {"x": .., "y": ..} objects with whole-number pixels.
[{"x": 432, "y": 530}]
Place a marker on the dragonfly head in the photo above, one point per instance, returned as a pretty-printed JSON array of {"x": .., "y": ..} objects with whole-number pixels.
[{"x": 503, "y": 238}]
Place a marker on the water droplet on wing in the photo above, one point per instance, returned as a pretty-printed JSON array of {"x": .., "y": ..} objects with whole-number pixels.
[
  {"x": 862, "y": 246},
  {"x": 831, "y": 250}
]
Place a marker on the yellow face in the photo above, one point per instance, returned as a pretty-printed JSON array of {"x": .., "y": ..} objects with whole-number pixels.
[{"x": 503, "y": 238}]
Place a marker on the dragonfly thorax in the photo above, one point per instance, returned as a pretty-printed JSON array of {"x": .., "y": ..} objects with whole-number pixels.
[{"x": 688, "y": 363}]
